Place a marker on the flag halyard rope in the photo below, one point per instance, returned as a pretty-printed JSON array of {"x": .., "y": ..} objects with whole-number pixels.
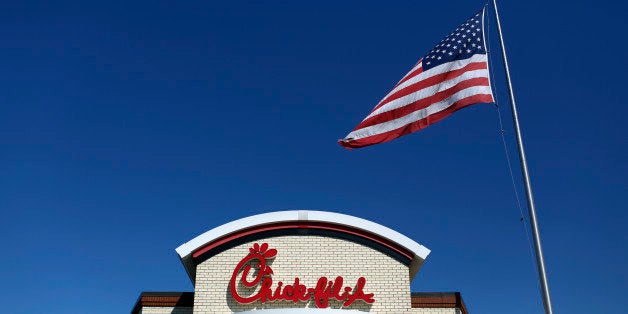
[{"x": 502, "y": 132}]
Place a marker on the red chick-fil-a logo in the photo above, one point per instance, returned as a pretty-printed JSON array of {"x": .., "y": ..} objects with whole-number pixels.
[{"x": 324, "y": 290}]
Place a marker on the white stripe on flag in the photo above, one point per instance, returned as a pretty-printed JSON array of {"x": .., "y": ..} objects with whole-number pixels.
[
  {"x": 417, "y": 66},
  {"x": 419, "y": 114},
  {"x": 427, "y": 92},
  {"x": 445, "y": 67}
]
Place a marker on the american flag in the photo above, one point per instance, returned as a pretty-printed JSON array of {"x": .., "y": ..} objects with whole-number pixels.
[{"x": 451, "y": 76}]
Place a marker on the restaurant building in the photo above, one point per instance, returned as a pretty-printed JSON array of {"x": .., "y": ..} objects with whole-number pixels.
[{"x": 301, "y": 261}]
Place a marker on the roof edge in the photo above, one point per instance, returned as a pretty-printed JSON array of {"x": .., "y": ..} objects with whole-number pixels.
[{"x": 186, "y": 250}]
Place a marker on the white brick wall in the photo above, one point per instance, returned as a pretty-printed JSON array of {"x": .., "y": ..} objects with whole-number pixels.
[
  {"x": 435, "y": 311},
  {"x": 166, "y": 310},
  {"x": 309, "y": 258}
]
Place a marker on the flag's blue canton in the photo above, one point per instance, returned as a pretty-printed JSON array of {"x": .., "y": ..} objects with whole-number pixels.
[{"x": 462, "y": 43}]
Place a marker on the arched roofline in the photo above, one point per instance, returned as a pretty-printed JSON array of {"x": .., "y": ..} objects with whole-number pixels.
[{"x": 380, "y": 235}]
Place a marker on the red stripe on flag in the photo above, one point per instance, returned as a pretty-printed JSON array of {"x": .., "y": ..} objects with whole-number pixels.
[
  {"x": 422, "y": 103},
  {"x": 411, "y": 75},
  {"x": 436, "y": 79},
  {"x": 417, "y": 125}
]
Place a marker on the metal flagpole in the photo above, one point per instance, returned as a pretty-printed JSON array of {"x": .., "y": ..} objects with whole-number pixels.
[{"x": 547, "y": 302}]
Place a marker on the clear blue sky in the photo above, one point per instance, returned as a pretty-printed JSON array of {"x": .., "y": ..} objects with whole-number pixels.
[{"x": 128, "y": 128}]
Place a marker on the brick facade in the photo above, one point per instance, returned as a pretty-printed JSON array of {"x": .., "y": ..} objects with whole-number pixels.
[
  {"x": 309, "y": 258},
  {"x": 309, "y": 245},
  {"x": 435, "y": 311},
  {"x": 166, "y": 310}
]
